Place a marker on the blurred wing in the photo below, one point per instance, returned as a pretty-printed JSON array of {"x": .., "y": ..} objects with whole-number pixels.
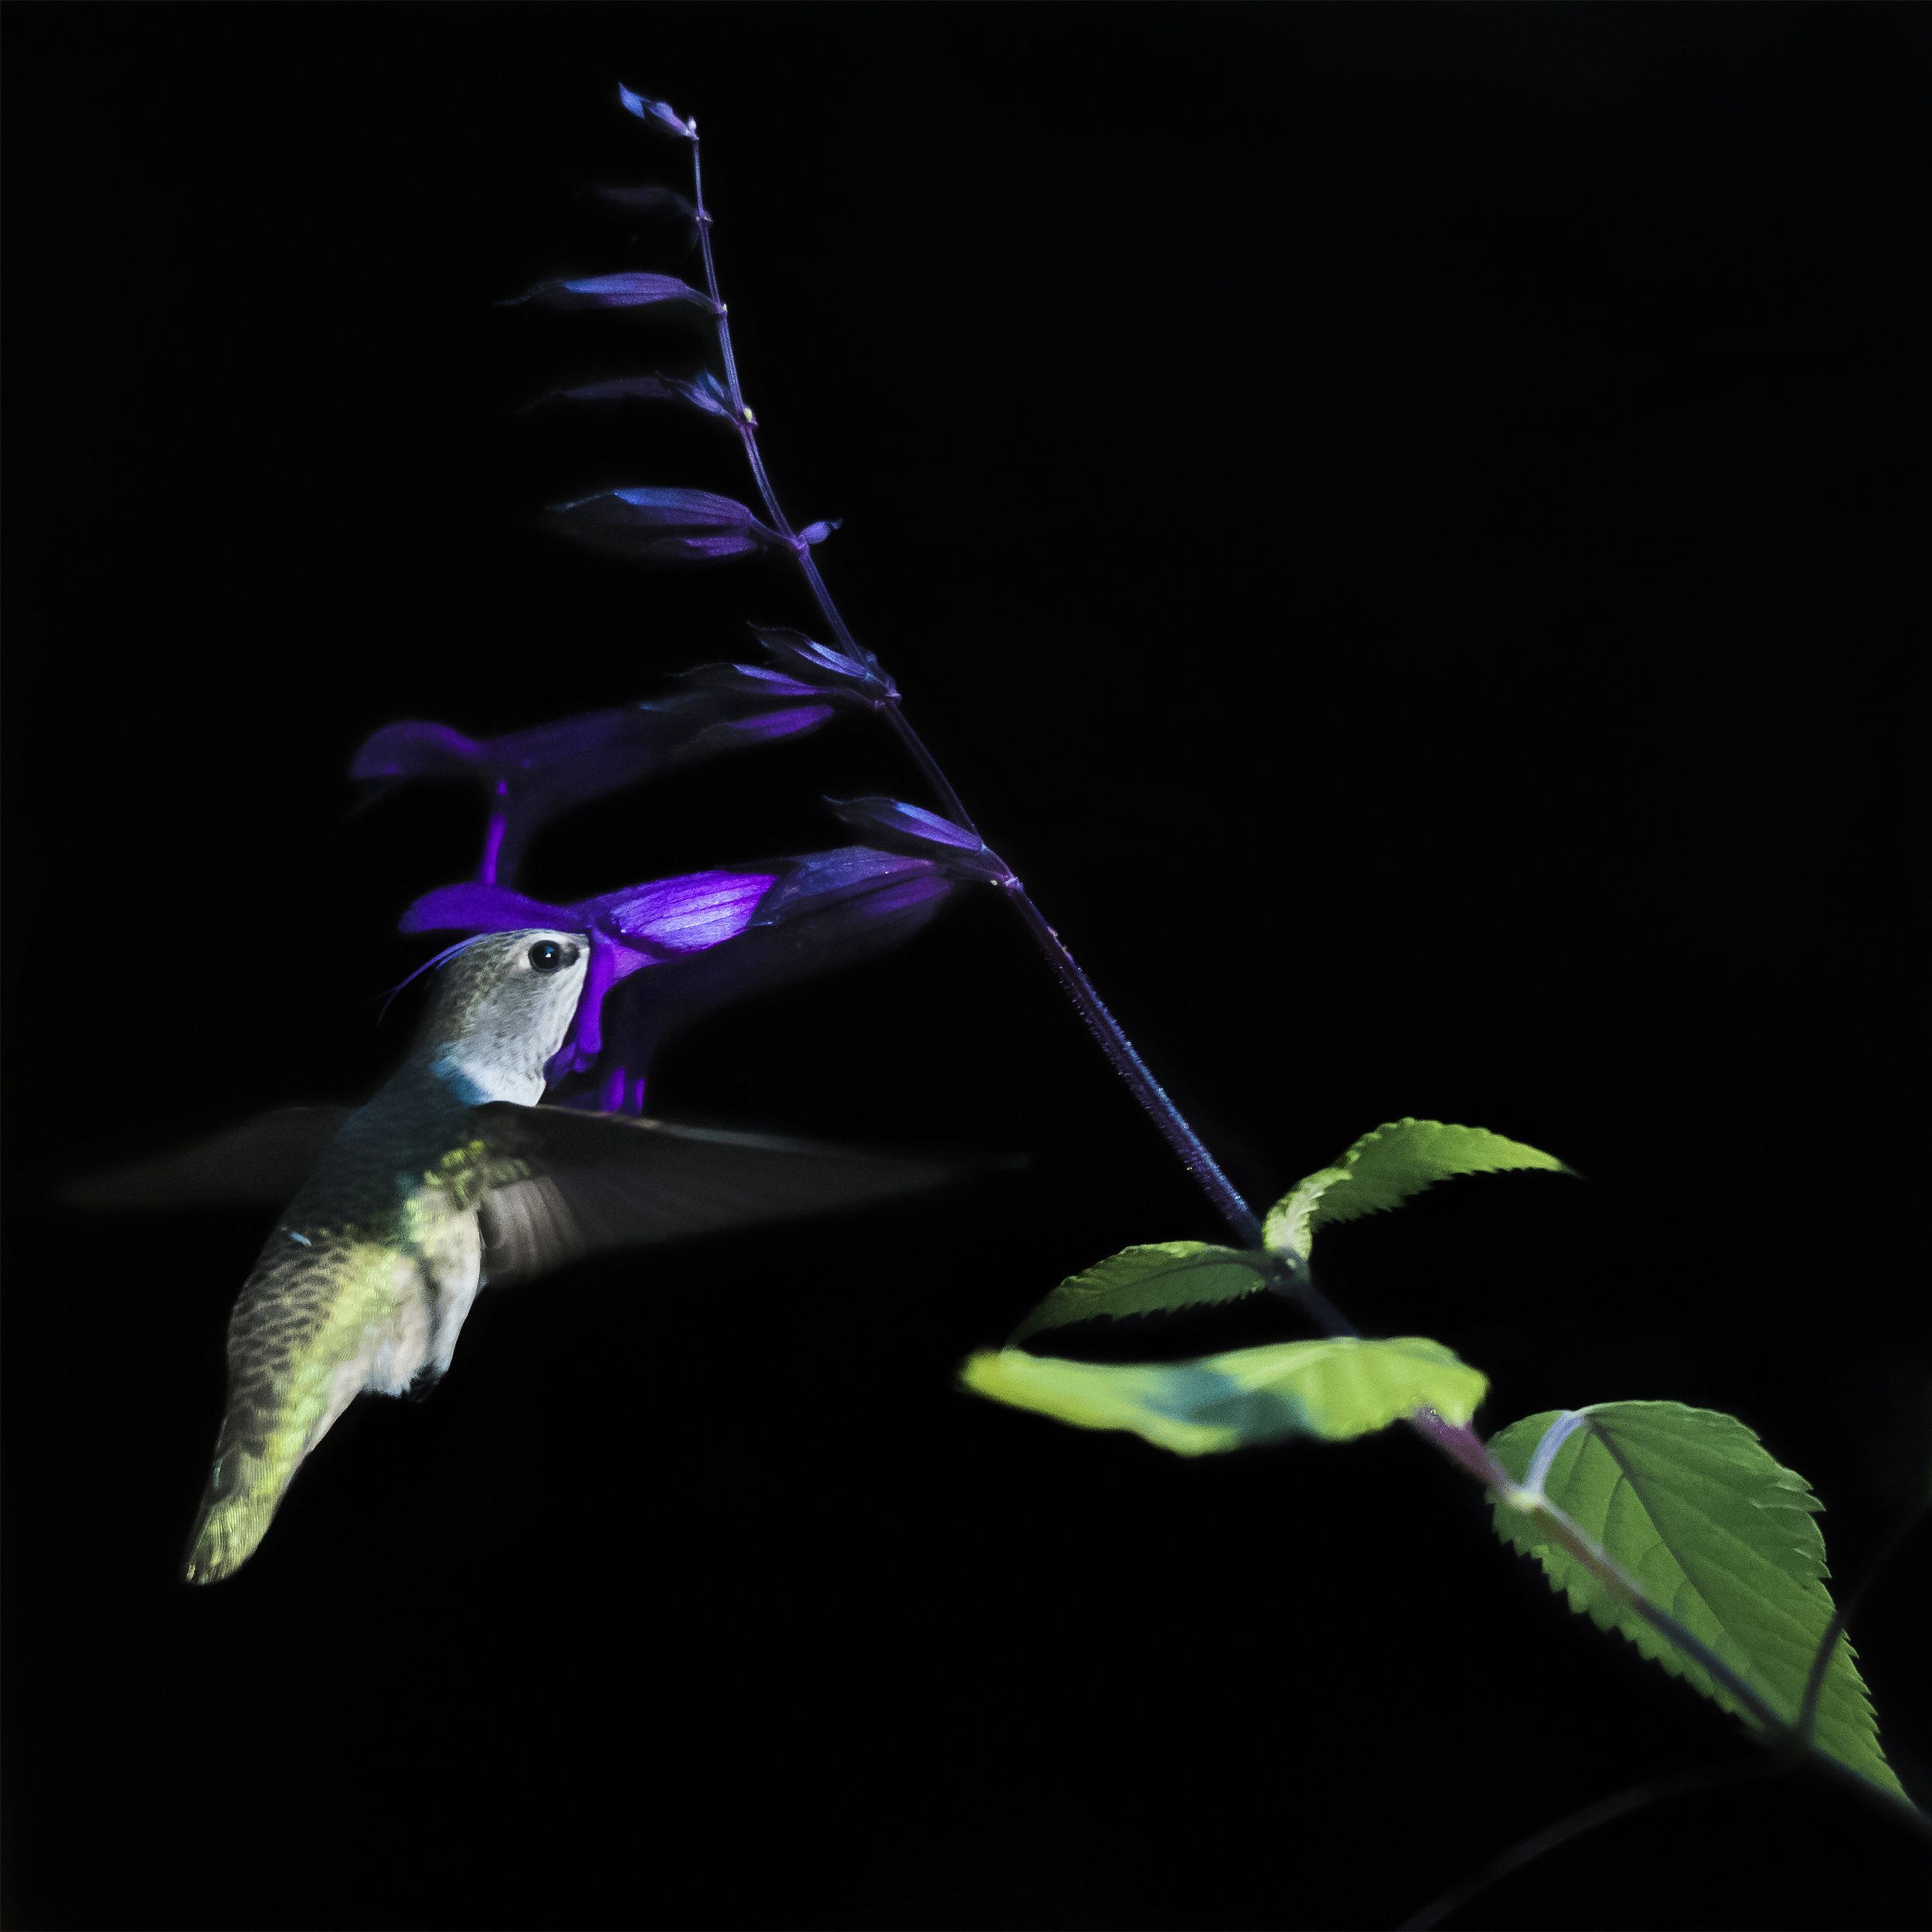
[
  {"x": 577, "y": 1183},
  {"x": 262, "y": 1163}
]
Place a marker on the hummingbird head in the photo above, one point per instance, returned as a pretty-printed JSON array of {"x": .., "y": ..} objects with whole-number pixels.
[{"x": 505, "y": 1002}]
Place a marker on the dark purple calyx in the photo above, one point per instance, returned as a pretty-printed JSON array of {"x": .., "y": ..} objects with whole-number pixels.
[
  {"x": 964, "y": 854},
  {"x": 631, "y": 288}
]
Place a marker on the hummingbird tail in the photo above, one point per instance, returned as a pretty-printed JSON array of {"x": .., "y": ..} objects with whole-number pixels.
[
  {"x": 229, "y": 1527},
  {"x": 254, "y": 1463}
]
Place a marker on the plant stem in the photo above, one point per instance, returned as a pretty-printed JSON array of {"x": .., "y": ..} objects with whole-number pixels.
[
  {"x": 1842, "y": 1615},
  {"x": 1132, "y": 1069},
  {"x": 1651, "y": 1791}
]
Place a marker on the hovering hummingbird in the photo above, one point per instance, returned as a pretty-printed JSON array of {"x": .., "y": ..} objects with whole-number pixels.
[{"x": 450, "y": 1177}]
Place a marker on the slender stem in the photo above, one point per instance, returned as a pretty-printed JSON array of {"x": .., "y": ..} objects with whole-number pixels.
[
  {"x": 928, "y": 765},
  {"x": 1651, "y": 1791},
  {"x": 1815, "y": 1682},
  {"x": 711, "y": 286},
  {"x": 1132, "y": 1069}
]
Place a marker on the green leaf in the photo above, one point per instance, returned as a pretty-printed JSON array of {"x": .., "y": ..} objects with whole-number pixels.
[
  {"x": 1333, "y": 1390},
  {"x": 1163, "y": 1274},
  {"x": 1689, "y": 1504},
  {"x": 1382, "y": 1169}
]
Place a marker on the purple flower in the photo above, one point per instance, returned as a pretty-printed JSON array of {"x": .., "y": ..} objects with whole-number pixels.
[
  {"x": 659, "y": 114},
  {"x": 640, "y": 926},
  {"x": 632, "y": 289},
  {"x": 829, "y": 676},
  {"x": 708, "y": 938},
  {"x": 963, "y": 853},
  {"x": 706, "y": 394},
  {"x": 651, "y": 526},
  {"x": 663, "y": 525},
  {"x": 804, "y": 657},
  {"x": 826, "y": 910},
  {"x": 532, "y": 775}
]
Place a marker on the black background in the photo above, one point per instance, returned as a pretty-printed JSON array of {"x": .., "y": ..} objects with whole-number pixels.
[{"x": 1403, "y": 524}]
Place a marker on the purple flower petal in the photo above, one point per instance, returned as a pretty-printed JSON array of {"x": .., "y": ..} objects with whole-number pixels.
[
  {"x": 682, "y": 915},
  {"x": 608, "y": 964},
  {"x": 656, "y": 113},
  {"x": 486, "y": 909},
  {"x": 632, "y": 289},
  {"x": 415, "y": 749},
  {"x": 824, "y": 910}
]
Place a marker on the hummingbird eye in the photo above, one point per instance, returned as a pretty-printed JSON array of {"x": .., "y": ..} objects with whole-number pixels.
[{"x": 546, "y": 955}]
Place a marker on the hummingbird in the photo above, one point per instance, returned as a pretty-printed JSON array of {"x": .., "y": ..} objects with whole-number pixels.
[{"x": 453, "y": 1177}]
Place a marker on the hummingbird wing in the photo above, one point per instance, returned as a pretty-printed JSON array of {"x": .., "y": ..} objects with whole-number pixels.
[
  {"x": 574, "y": 1183},
  {"x": 262, "y": 1163}
]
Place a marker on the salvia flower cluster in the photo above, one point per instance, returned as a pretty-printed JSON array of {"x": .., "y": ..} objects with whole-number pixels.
[{"x": 709, "y": 936}]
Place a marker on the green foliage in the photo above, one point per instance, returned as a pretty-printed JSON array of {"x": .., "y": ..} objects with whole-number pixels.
[
  {"x": 1333, "y": 1391},
  {"x": 1689, "y": 1505},
  {"x": 1163, "y": 1274},
  {"x": 1383, "y": 1168}
]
